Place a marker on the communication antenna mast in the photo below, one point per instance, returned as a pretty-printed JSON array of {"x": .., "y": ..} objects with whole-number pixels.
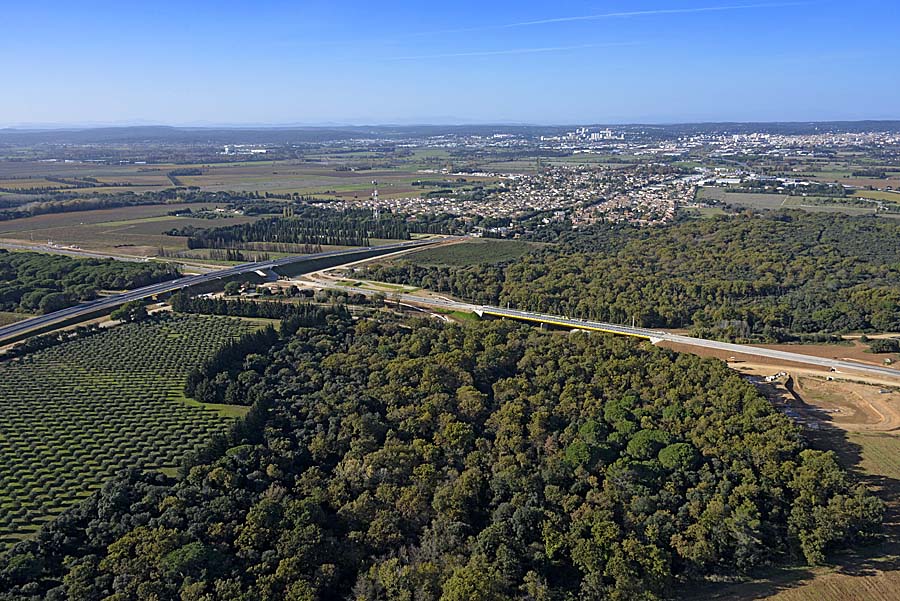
[{"x": 375, "y": 196}]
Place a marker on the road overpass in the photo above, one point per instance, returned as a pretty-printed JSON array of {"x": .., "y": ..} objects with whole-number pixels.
[
  {"x": 654, "y": 336},
  {"x": 23, "y": 328},
  {"x": 657, "y": 336}
]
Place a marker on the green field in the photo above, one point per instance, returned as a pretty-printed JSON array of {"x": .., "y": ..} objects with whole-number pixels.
[
  {"x": 878, "y": 195},
  {"x": 880, "y": 453},
  {"x": 815, "y": 204},
  {"x": 703, "y": 212},
  {"x": 137, "y": 230},
  {"x": 377, "y": 286},
  {"x": 346, "y": 176},
  {"x": 7, "y": 317},
  {"x": 76, "y": 413},
  {"x": 483, "y": 252}
]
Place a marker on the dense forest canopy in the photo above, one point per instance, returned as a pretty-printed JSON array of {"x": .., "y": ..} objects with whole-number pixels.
[
  {"x": 314, "y": 225},
  {"x": 41, "y": 283},
  {"x": 414, "y": 460},
  {"x": 478, "y": 283},
  {"x": 770, "y": 276}
]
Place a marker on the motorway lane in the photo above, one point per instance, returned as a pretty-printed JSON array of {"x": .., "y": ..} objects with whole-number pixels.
[
  {"x": 110, "y": 302},
  {"x": 658, "y": 336},
  {"x": 836, "y": 364},
  {"x": 654, "y": 336}
]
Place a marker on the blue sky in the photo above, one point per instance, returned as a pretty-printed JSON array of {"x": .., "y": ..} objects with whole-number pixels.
[{"x": 568, "y": 61}]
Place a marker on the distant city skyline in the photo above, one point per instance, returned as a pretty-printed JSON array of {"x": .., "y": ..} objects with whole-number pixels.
[{"x": 575, "y": 62}]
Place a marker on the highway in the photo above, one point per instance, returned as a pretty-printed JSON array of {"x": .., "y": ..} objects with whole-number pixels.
[
  {"x": 654, "y": 336},
  {"x": 110, "y": 302}
]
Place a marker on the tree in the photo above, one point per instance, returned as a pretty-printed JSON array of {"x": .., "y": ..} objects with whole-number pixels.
[
  {"x": 826, "y": 510},
  {"x": 54, "y": 302},
  {"x": 192, "y": 559},
  {"x": 885, "y": 345},
  {"x": 681, "y": 456},
  {"x": 476, "y": 581},
  {"x": 397, "y": 459},
  {"x": 130, "y": 312},
  {"x": 646, "y": 444},
  {"x": 32, "y": 281}
]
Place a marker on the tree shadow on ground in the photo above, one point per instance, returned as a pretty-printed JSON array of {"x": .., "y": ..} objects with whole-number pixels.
[
  {"x": 869, "y": 559},
  {"x": 866, "y": 560}
]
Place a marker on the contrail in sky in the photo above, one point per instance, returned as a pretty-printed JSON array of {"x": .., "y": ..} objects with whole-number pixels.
[
  {"x": 644, "y": 13},
  {"x": 615, "y": 15},
  {"x": 570, "y": 19},
  {"x": 512, "y": 51}
]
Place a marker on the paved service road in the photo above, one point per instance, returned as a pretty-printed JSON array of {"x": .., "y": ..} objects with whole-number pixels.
[
  {"x": 654, "y": 336},
  {"x": 657, "y": 336}
]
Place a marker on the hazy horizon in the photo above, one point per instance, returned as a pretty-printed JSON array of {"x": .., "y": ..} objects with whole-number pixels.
[
  {"x": 411, "y": 124},
  {"x": 278, "y": 63}
]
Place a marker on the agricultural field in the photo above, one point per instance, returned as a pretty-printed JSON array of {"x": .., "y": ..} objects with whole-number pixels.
[
  {"x": 841, "y": 168},
  {"x": 814, "y": 204},
  {"x": 878, "y": 195},
  {"x": 325, "y": 181},
  {"x": 344, "y": 176},
  {"x": 27, "y": 184},
  {"x": 72, "y": 170},
  {"x": 76, "y": 413},
  {"x": 484, "y": 252},
  {"x": 891, "y": 180},
  {"x": 531, "y": 165},
  {"x": 136, "y": 231}
]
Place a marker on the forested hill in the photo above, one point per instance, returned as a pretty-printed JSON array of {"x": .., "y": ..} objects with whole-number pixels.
[
  {"x": 767, "y": 276},
  {"x": 388, "y": 460}
]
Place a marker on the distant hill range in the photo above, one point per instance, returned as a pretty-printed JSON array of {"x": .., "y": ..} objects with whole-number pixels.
[{"x": 160, "y": 134}]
